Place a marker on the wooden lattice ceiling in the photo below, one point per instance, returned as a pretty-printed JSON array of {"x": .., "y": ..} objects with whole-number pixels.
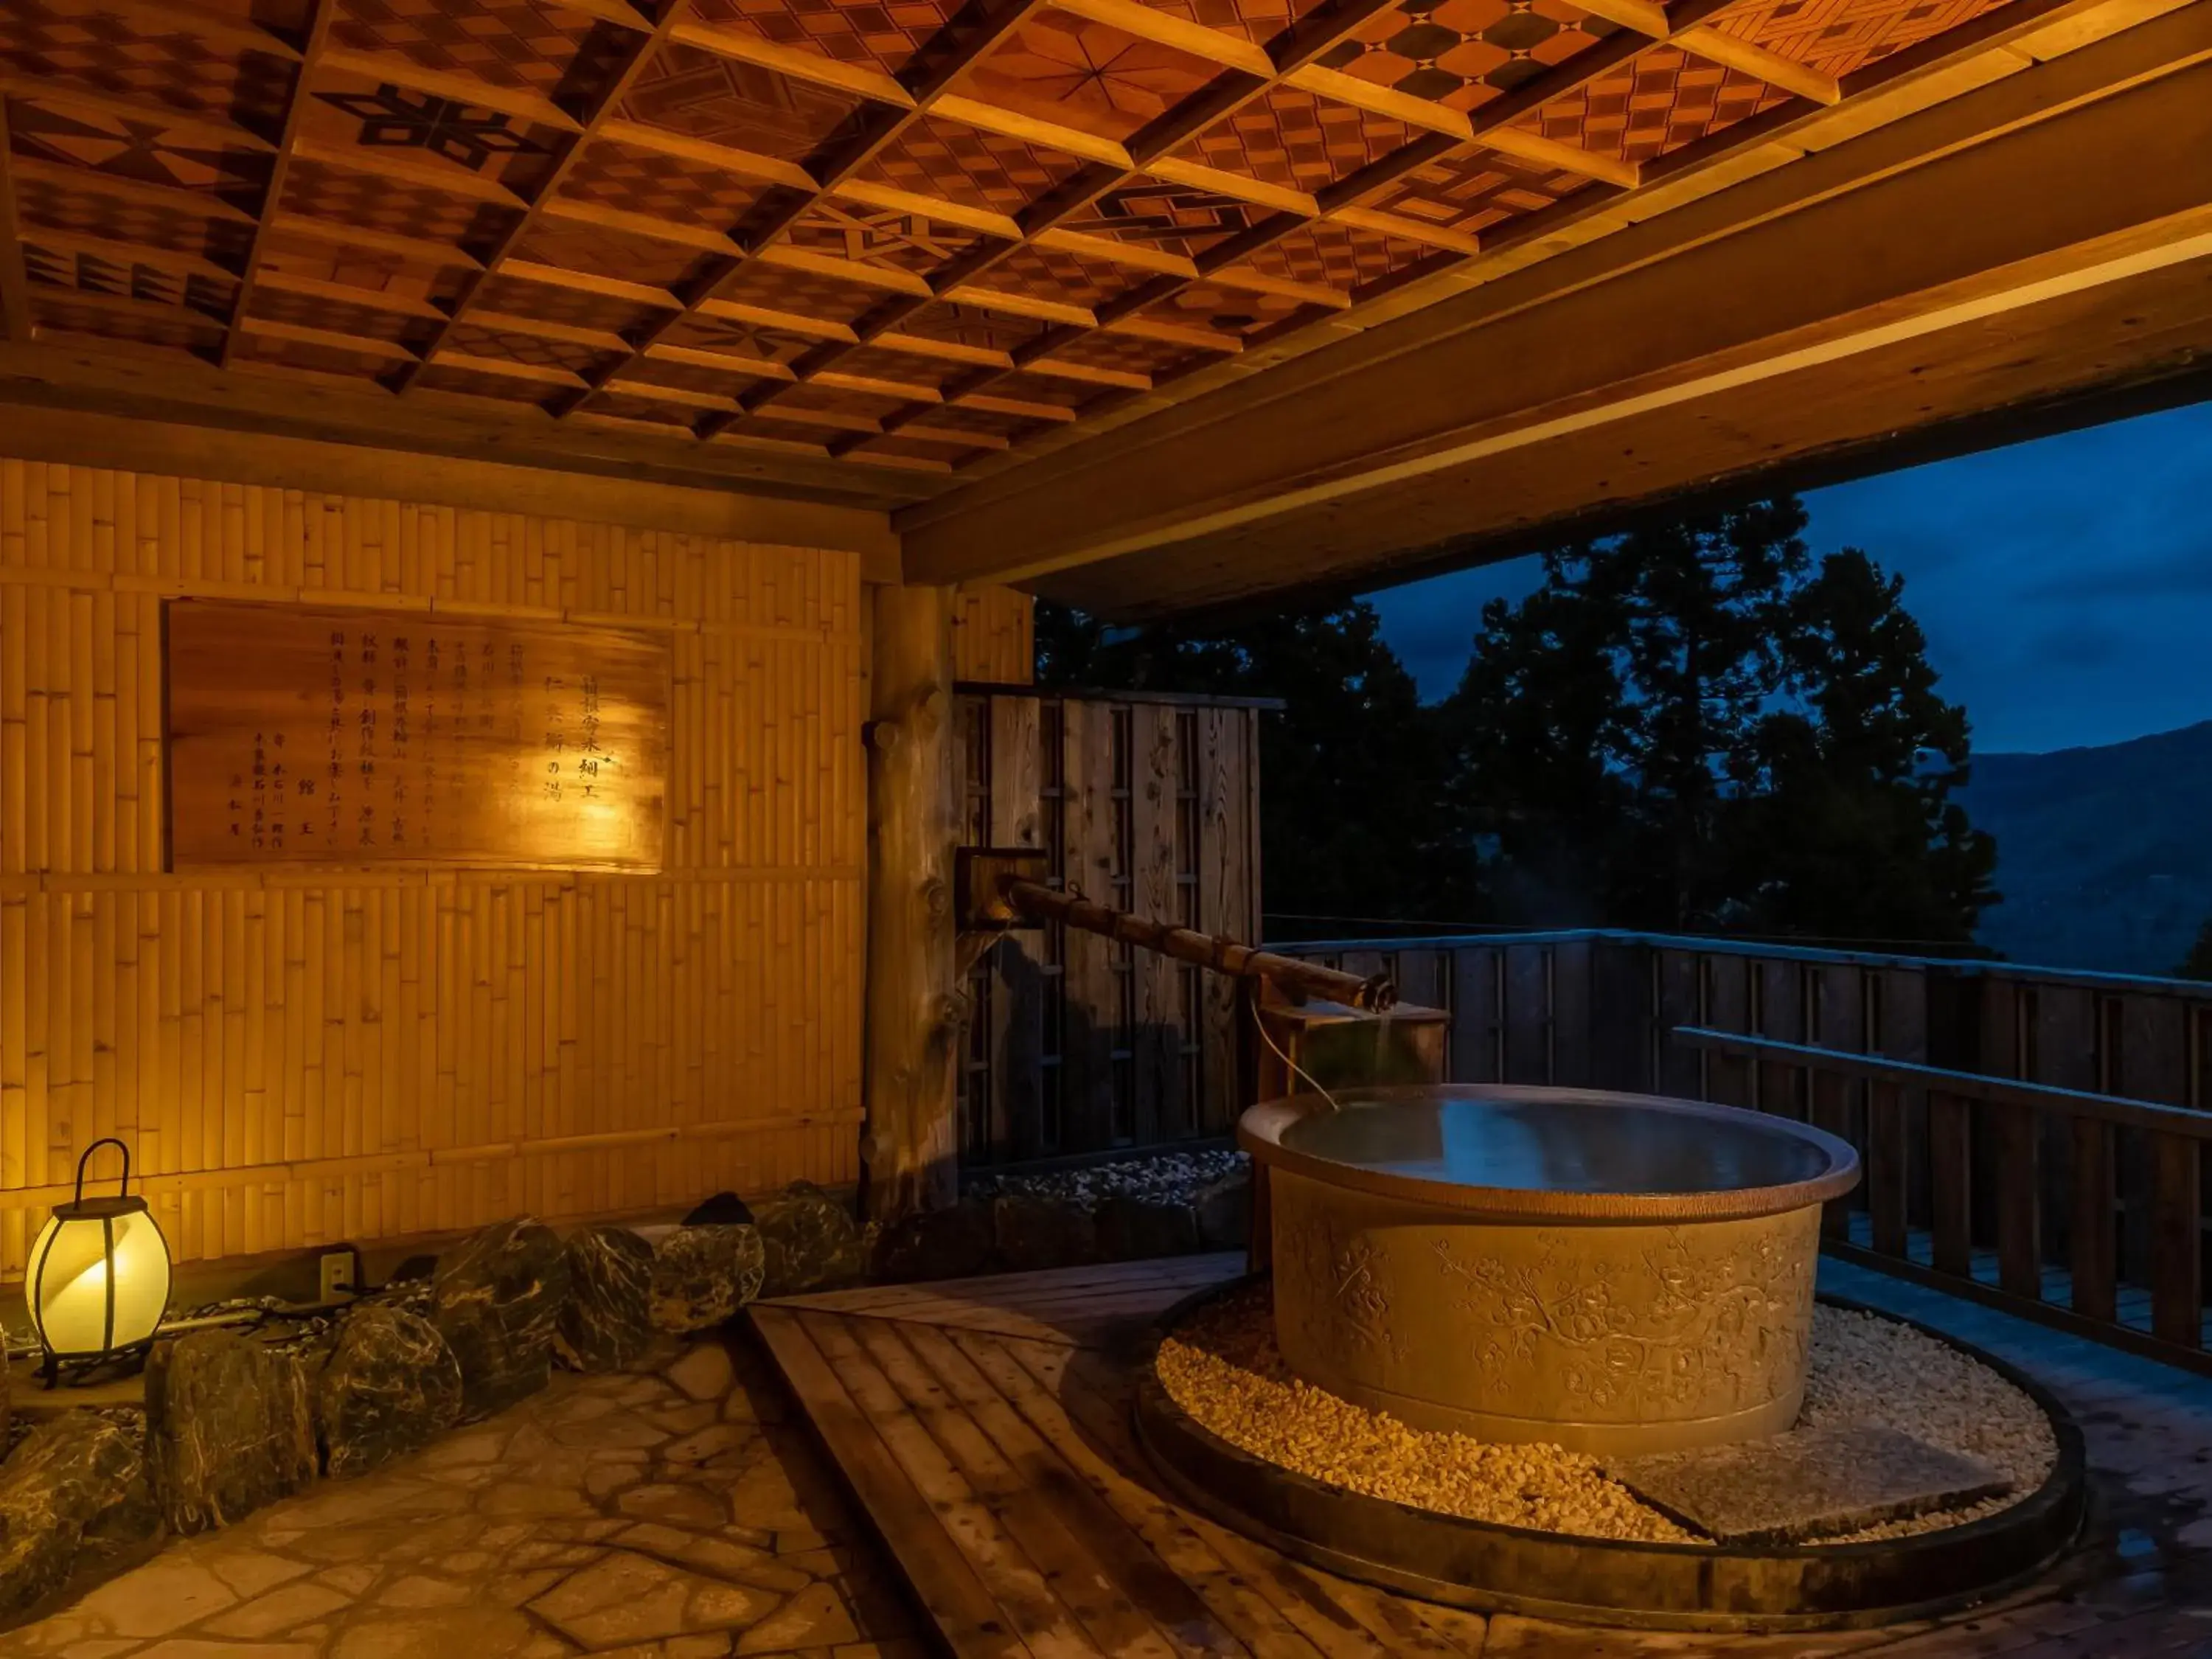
[{"x": 899, "y": 233}]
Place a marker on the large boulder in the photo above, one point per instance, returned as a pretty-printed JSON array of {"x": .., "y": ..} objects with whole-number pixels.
[
  {"x": 721, "y": 1210},
  {"x": 227, "y": 1428},
  {"x": 948, "y": 1243},
  {"x": 606, "y": 1323},
  {"x": 810, "y": 1240},
  {"x": 1034, "y": 1233},
  {"x": 703, "y": 1275},
  {"x": 496, "y": 1299},
  {"x": 78, "y": 1481},
  {"x": 1132, "y": 1228},
  {"x": 391, "y": 1385}
]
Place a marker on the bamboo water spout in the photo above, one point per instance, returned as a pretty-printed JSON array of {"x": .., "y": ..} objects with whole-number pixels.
[{"x": 1297, "y": 979}]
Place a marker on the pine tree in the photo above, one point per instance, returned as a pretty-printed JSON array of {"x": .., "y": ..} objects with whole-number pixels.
[{"x": 1695, "y": 728}]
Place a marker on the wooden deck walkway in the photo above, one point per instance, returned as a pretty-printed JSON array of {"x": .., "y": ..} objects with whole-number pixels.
[{"x": 982, "y": 1427}]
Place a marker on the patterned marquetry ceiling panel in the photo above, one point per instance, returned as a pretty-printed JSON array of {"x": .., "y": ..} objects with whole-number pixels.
[{"x": 910, "y": 233}]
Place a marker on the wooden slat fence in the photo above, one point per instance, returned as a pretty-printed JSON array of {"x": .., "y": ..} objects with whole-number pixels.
[
  {"x": 2031, "y": 1137},
  {"x": 1077, "y": 1044}
]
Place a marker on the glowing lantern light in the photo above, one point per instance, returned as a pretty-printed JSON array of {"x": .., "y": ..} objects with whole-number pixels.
[{"x": 98, "y": 1281}]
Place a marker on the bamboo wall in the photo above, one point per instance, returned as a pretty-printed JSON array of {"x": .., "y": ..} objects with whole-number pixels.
[
  {"x": 300, "y": 1057},
  {"x": 1150, "y": 804}
]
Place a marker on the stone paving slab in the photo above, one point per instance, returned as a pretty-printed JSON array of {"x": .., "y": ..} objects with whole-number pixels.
[
  {"x": 1810, "y": 1483},
  {"x": 670, "y": 1511}
]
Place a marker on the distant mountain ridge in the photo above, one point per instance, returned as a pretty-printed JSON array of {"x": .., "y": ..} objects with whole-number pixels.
[{"x": 2104, "y": 854}]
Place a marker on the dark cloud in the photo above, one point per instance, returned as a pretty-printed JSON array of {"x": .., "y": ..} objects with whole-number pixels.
[{"x": 2065, "y": 586}]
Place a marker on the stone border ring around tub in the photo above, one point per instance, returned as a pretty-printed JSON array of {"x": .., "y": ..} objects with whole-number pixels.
[{"x": 1493, "y": 1568}]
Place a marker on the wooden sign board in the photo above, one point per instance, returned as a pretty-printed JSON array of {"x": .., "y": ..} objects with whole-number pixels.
[{"x": 345, "y": 736}]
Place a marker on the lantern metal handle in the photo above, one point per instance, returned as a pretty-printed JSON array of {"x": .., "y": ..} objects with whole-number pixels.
[{"x": 123, "y": 1190}]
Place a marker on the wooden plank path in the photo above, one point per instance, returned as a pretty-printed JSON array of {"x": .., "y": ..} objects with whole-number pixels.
[{"x": 982, "y": 1425}]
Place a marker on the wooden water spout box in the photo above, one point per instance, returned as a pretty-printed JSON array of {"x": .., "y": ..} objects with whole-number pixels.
[{"x": 1343, "y": 1047}]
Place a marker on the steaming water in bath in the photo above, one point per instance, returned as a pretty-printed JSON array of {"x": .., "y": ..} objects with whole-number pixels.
[{"x": 1555, "y": 1145}]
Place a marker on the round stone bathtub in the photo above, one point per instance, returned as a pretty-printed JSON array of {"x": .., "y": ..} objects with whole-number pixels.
[{"x": 1615, "y": 1273}]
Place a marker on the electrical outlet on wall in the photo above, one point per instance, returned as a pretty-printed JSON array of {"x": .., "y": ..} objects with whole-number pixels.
[{"x": 341, "y": 1275}]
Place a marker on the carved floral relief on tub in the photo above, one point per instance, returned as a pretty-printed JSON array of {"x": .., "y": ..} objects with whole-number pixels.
[
  {"x": 1676, "y": 1324},
  {"x": 1517, "y": 1331}
]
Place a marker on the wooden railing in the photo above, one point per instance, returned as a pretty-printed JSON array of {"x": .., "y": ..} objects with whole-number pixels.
[
  {"x": 1984, "y": 1182},
  {"x": 2031, "y": 1139}
]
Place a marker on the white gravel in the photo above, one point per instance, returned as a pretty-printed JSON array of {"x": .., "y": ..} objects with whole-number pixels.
[
  {"x": 1156, "y": 1177},
  {"x": 1223, "y": 1368}
]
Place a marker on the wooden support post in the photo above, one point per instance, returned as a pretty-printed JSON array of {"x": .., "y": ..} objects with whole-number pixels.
[{"x": 915, "y": 1004}]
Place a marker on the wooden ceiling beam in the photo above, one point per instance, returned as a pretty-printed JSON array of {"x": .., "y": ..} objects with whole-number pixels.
[
  {"x": 352, "y": 427},
  {"x": 951, "y": 351},
  {"x": 877, "y": 387},
  {"x": 362, "y": 345},
  {"x": 792, "y": 63},
  {"x": 1031, "y": 305},
  {"x": 1182, "y": 334},
  {"x": 600, "y": 217},
  {"x": 1034, "y": 130},
  {"x": 721, "y": 362},
  {"x": 800, "y": 415},
  {"x": 393, "y": 68},
  {"x": 953, "y": 434},
  {"x": 1136, "y": 256},
  {"x": 14, "y": 277},
  {"x": 994, "y": 404},
  {"x": 1076, "y": 373},
  {"x": 545, "y": 196},
  {"x": 1717, "y": 46},
  {"x": 890, "y": 279},
  {"x": 505, "y": 369},
  {"x": 416, "y": 250},
  {"x": 1404, "y": 229},
  {"x": 320, "y": 14},
  {"x": 734, "y": 311},
  {"x": 1994, "y": 46},
  {"x": 589, "y": 282},
  {"x": 685, "y": 397},
  {"x": 727, "y": 158},
  {"x": 388, "y": 165},
  {"x": 981, "y": 220},
  {"x": 277, "y": 281},
  {"x": 542, "y": 328},
  {"x": 1821, "y": 260}
]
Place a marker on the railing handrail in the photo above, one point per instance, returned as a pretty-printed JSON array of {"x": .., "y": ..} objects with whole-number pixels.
[
  {"x": 1719, "y": 945},
  {"x": 1965, "y": 1085}
]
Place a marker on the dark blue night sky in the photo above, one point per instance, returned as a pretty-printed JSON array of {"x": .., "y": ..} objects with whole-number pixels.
[{"x": 2065, "y": 586}]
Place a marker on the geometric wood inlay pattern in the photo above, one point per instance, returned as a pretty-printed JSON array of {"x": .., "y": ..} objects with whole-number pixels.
[{"x": 907, "y": 235}]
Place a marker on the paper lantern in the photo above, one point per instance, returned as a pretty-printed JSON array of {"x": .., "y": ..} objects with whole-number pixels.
[{"x": 98, "y": 1281}]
